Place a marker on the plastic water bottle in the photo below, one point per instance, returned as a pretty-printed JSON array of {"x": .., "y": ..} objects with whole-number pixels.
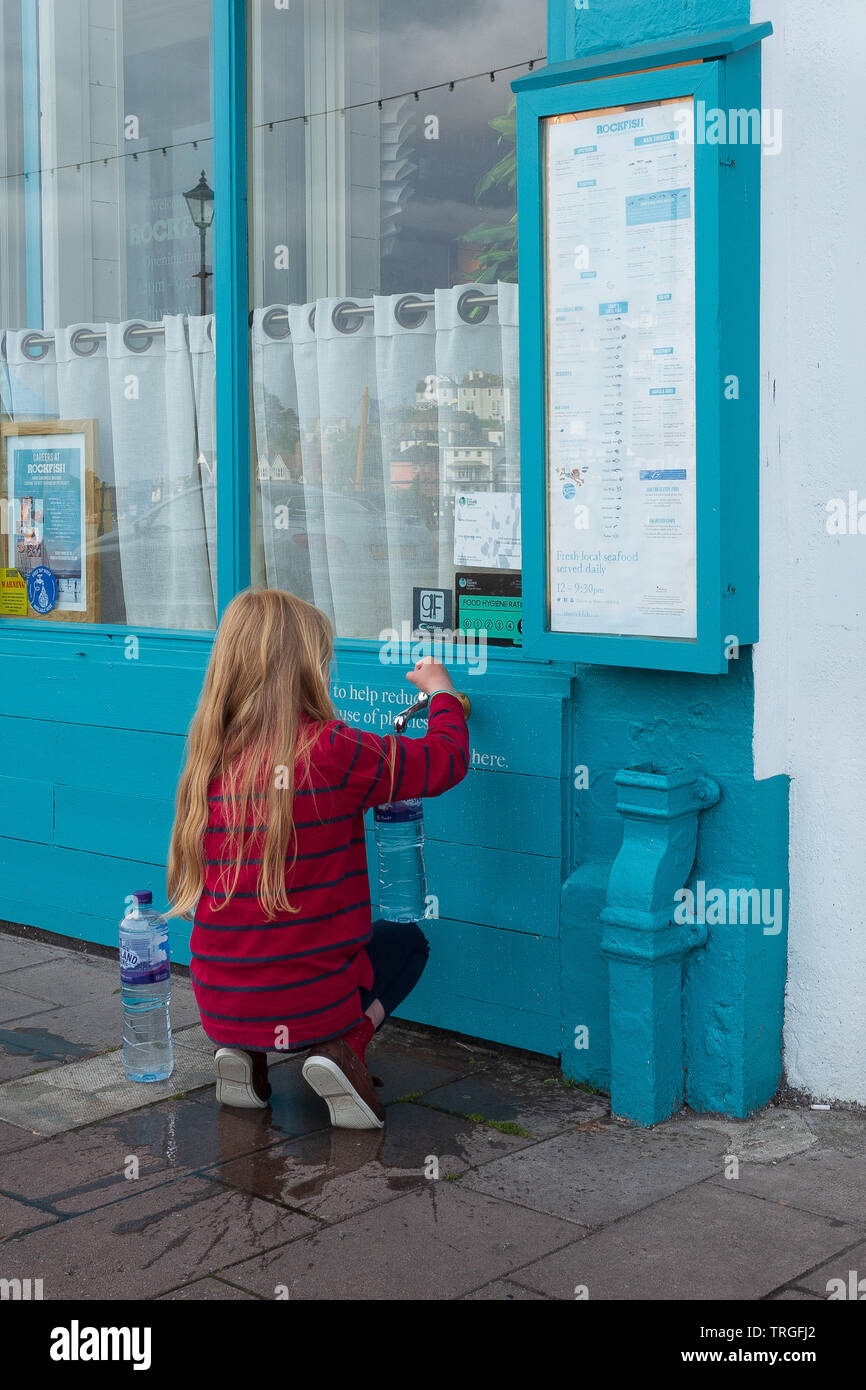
[
  {"x": 402, "y": 875},
  {"x": 145, "y": 991}
]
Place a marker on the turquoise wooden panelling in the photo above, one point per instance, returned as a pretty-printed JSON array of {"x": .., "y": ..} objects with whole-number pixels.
[
  {"x": 479, "y": 1018},
  {"x": 113, "y": 694},
  {"x": 86, "y": 756},
  {"x": 61, "y": 919},
  {"x": 500, "y": 812},
  {"x": 25, "y": 805},
  {"x": 89, "y": 882},
  {"x": 517, "y": 970},
  {"x": 496, "y": 888},
  {"x": 500, "y": 985},
  {"x": 508, "y": 733},
  {"x": 123, "y": 824}
]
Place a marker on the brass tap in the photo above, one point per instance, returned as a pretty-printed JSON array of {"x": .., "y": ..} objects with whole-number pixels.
[{"x": 401, "y": 720}]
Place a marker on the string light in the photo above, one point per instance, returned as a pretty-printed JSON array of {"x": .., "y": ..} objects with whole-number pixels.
[{"x": 285, "y": 120}]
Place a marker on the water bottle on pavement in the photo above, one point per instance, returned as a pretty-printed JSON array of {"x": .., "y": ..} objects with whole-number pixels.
[
  {"x": 145, "y": 990},
  {"x": 402, "y": 875}
]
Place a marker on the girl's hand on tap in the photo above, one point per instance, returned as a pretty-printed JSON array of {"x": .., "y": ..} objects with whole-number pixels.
[{"x": 429, "y": 675}]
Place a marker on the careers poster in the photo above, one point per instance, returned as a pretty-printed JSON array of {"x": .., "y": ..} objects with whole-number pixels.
[{"x": 620, "y": 282}]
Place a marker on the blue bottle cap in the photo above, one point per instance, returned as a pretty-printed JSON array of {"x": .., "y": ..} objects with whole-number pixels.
[
  {"x": 399, "y": 812},
  {"x": 143, "y": 897}
]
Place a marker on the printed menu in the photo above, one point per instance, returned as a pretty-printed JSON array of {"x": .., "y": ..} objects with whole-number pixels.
[{"x": 620, "y": 301}]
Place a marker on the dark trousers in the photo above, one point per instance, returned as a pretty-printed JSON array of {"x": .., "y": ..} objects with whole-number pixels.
[{"x": 398, "y": 953}]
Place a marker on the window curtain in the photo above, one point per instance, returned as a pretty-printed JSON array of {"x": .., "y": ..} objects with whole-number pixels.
[
  {"x": 359, "y": 418},
  {"x": 153, "y": 398},
  {"x": 202, "y": 347}
]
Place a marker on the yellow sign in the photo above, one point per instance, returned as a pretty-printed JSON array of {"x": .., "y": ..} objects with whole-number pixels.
[{"x": 13, "y": 595}]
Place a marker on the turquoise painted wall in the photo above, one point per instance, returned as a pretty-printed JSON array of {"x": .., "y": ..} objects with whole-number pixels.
[
  {"x": 518, "y": 856},
  {"x": 94, "y": 743},
  {"x": 733, "y": 988}
]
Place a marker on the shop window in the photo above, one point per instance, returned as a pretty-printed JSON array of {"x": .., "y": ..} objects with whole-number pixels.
[
  {"x": 106, "y": 328},
  {"x": 384, "y": 356}
]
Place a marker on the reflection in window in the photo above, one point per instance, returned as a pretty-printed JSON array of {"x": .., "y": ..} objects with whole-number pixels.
[
  {"x": 106, "y": 125},
  {"x": 384, "y": 268}
]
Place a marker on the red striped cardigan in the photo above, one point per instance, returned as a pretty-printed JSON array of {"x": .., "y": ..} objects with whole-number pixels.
[{"x": 293, "y": 981}]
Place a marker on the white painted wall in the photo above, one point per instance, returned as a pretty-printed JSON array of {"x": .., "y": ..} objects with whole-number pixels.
[{"x": 810, "y": 664}]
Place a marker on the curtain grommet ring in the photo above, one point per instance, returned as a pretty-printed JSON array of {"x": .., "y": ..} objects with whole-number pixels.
[
  {"x": 80, "y": 346},
  {"x": 275, "y": 323},
  {"x": 469, "y": 311},
  {"x": 406, "y": 314},
  {"x": 311, "y": 319},
  {"x": 344, "y": 320},
  {"x": 137, "y": 337},
  {"x": 3, "y": 346},
  {"x": 209, "y": 329},
  {"x": 38, "y": 340}
]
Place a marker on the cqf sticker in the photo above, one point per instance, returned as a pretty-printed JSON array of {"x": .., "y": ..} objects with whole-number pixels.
[{"x": 13, "y": 594}]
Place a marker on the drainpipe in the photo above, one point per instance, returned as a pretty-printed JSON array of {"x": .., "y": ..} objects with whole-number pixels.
[{"x": 643, "y": 944}]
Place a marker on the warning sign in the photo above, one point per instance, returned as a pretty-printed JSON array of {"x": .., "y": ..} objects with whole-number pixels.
[{"x": 13, "y": 594}]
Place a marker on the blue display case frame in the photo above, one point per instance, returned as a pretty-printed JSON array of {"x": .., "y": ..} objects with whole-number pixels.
[{"x": 723, "y": 71}]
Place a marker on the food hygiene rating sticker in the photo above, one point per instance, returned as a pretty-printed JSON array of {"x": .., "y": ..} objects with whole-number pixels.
[{"x": 491, "y": 603}]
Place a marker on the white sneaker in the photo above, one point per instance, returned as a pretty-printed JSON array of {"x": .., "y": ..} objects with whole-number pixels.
[
  {"x": 234, "y": 1074},
  {"x": 338, "y": 1075}
]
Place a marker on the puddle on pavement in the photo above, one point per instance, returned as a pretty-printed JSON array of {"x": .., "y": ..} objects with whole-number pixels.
[
  {"x": 303, "y": 1170},
  {"x": 44, "y": 1047}
]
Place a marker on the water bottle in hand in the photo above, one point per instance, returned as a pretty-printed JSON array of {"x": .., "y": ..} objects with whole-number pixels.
[
  {"x": 145, "y": 990},
  {"x": 402, "y": 875}
]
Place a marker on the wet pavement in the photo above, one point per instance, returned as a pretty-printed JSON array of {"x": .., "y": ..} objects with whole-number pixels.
[{"x": 492, "y": 1180}]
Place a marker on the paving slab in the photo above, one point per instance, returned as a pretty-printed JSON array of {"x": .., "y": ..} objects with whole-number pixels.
[
  {"x": 97, "y": 1023},
  {"x": 602, "y": 1173},
  {"x": 503, "y": 1290},
  {"x": 772, "y": 1134},
  {"x": 11, "y": 1067},
  {"x": 72, "y": 1096},
  {"x": 523, "y": 1093},
  {"x": 840, "y": 1129},
  {"x": 705, "y": 1242},
  {"x": 794, "y": 1296},
  {"x": 15, "y": 1004},
  {"x": 208, "y": 1290},
  {"x": 16, "y": 951},
  {"x": 823, "y": 1182},
  {"x": 149, "y": 1244},
  {"x": 438, "y": 1243},
  {"x": 294, "y": 1108},
  {"x": 335, "y": 1173},
  {"x": 445, "y": 1048},
  {"x": 12, "y": 1138},
  {"x": 19, "y": 1216},
  {"x": 126, "y": 1154},
  {"x": 65, "y": 981},
  {"x": 848, "y": 1265},
  {"x": 410, "y": 1068}
]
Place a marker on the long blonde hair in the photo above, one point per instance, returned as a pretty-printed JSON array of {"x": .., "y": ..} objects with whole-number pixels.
[{"x": 270, "y": 662}]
